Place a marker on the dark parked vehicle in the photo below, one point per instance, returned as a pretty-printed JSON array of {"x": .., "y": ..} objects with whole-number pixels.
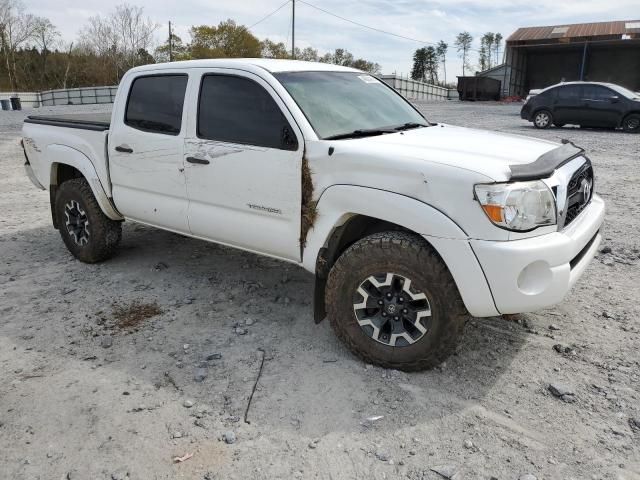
[{"x": 588, "y": 104}]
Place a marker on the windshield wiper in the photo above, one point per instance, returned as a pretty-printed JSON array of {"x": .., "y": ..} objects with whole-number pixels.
[
  {"x": 369, "y": 132},
  {"x": 409, "y": 126}
]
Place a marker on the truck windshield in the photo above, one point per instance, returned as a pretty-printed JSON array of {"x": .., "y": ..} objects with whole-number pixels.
[{"x": 349, "y": 104}]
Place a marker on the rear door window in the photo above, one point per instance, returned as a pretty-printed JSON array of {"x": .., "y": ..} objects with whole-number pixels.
[
  {"x": 238, "y": 110},
  {"x": 155, "y": 103},
  {"x": 570, "y": 92}
]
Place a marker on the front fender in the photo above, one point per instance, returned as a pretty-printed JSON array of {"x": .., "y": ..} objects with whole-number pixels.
[
  {"x": 339, "y": 202},
  {"x": 64, "y": 155}
]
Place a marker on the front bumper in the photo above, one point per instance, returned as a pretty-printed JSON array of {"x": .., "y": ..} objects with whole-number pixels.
[{"x": 534, "y": 273}]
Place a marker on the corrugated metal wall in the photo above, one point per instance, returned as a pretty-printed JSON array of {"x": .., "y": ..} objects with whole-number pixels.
[{"x": 543, "y": 66}]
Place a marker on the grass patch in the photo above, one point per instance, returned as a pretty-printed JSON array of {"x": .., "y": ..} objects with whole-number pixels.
[{"x": 130, "y": 316}]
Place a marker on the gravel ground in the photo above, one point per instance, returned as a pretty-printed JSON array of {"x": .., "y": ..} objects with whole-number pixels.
[{"x": 112, "y": 371}]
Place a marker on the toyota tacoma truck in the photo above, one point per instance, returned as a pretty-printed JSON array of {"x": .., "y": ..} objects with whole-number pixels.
[{"x": 409, "y": 226}]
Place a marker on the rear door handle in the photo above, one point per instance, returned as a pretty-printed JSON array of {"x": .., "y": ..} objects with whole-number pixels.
[
  {"x": 199, "y": 161},
  {"x": 124, "y": 149}
]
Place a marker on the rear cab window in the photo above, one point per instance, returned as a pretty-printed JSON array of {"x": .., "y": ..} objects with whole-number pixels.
[
  {"x": 238, "y": 110},
  {"x": 156, "y": 102}
]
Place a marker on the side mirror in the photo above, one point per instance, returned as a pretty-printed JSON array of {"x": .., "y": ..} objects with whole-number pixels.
[{"x": 614, "y": 99}]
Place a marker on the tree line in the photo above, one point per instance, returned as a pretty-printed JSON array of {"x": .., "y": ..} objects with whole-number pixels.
[
  {"x": 33, "y": 55},
  {"x": 427, "y": 61}
]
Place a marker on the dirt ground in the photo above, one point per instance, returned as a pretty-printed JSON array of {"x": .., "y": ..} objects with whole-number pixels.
[{"x": 111, "y": 371}]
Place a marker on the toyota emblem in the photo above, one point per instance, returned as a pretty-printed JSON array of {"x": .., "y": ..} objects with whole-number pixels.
[{"x": 585, "y": 188}]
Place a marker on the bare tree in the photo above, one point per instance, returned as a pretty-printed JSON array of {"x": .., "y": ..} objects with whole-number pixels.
[
  {"x": 441, "y": 51},
  {"x": 124, "y": 37},
  {"x": 497, "y": 41},
  {"x": 16, "y": 29},
  {"x": 134, "y": 31},
  {"x": 463, "y": 45},
  {"x": 45, "y": 37}
]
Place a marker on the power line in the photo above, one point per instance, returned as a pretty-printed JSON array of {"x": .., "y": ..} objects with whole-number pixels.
[
  {"x": 366, "y": 26},
  {"x": 374, "y": 28},
  {"x": 272, "y": 13}
]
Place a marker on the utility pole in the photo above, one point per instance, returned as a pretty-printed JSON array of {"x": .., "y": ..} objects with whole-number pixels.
[
  {"x": 170, "y": 44},
  {"x": 293, "y": 29}
]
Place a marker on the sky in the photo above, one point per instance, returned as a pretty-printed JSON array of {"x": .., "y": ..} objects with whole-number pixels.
[{"x": 423, "y": 20}]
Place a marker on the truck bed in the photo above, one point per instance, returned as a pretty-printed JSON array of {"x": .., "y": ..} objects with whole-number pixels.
[{"x": 97, "y": 121}]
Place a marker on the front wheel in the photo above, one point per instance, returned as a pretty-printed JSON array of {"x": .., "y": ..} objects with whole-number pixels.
[
  {"x": 542, "y": 119},
  {"x": 86, "y": 231},
  {"x": 631, "y": 123},
  {"x": 391, "y": 299}
]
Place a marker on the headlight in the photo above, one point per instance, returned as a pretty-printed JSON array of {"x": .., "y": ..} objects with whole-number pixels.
[{"x": 518, "y": 206}]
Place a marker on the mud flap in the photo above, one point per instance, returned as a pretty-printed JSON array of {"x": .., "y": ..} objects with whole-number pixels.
[{"x": 319, "y": 309}]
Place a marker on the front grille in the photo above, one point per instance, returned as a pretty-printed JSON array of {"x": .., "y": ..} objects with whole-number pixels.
[{"x": 579, "y": 192}]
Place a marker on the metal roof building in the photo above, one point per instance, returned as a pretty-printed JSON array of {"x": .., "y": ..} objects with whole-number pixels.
[{"x": 537, "y": 57}]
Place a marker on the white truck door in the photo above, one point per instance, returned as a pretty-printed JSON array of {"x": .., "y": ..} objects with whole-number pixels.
[
  {"x": 243, "y": 161},
  {"x": 146, "y": 146}
]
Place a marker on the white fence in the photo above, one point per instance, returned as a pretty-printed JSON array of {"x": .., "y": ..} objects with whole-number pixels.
[
  {"x": 414, "y": 90},
  {"x": 78, "y": 96},
  {"x": 27, "y": 99},
  {"x": 410, "y": 89},
  {"x": 65, "y": 96}
]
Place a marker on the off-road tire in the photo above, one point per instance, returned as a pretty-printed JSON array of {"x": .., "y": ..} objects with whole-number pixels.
[
  {"x": 542, "y": 119},
  {"x": 411, "y": 256},
  {"x": 631, "y": 123},
  {"x": 104, "y": 234}
]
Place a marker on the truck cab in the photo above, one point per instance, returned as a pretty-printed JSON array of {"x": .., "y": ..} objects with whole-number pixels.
[{"x": 408, "y": 226}]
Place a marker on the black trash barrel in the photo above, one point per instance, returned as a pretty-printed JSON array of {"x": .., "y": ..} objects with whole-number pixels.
[
  {"x": 6, "y": 104},
  {"x": 15, "y": 103}
]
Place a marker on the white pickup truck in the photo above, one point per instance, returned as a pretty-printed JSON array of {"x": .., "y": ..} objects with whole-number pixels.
[{"x": 409, "y": 226}]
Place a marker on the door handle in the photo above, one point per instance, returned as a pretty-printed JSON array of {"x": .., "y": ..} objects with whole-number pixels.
[
  {"x": 199, "y": 161},
  {"x": 124, "y": 149}
]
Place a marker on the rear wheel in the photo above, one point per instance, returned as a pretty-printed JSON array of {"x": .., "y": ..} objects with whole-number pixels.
[
  {"x": 542, "y": 119},
  {"x": 87, "y": 232},
  {"x": 631, "y": 123},
  {"x": 391, "y": 299}
]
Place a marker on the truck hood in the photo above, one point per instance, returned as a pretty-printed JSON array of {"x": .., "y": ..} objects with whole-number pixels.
[{"x": 481, "y": 151}]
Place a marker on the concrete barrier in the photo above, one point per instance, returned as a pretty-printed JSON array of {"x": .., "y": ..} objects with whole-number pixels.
[
  {"x": 414, "y": 90},
  {"x": 64, "y": 96},
  {"x": 27, "y": 99}
]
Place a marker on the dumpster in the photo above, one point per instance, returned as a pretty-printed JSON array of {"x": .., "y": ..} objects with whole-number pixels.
[
  {"x": 15, "y": 103},
  {"x": 478, "y": 88},
  {"x": 6, "y": 104}
]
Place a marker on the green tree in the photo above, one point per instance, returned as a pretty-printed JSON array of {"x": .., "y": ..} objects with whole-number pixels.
[
  {"x": 486, "y": 51},
  {"x": 270, "y": 49},
  {"x": 463, "y": 45},
  {"x": 228, "y": 40},
  {"x": 343, "y": 57},
  {"x": 441, "y": 51},
  {"x": 308, "y": 54},
  {"x": 366, "y": 66},
  {"x": 179, "y": 49},
  {"x": 431, "y": 65},
  {"x": 419, "y": 69}
]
